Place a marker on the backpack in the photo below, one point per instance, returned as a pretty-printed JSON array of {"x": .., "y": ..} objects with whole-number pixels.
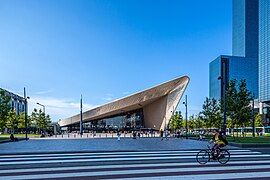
[{"x": 224, "y": 138}]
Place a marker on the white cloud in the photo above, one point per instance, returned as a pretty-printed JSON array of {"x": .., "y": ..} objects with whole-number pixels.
[
  {"x": 108, "y": 97},
  {"x": 44, "y": 92},
  {"x": 57, "y": 108}
]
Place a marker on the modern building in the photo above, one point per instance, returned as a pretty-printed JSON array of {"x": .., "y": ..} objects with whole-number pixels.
[
  {"x": 17, "y": 102},
  {"x": 243, "y": 64},
  {"x": 151, "y": 108},
  {"x": 264, "y": 51},
  {"x": 264, "y": 59},
  {"x": 232, "y": 67},
  {"x": 245, "y": 28}
]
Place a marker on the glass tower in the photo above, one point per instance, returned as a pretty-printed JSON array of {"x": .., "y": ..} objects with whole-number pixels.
[
  {"x": 243, "y": 64},
  {"x": 264, "y": 51},
  {"x": 235, "y": 68},
  {"x": 245, "y": 28}
]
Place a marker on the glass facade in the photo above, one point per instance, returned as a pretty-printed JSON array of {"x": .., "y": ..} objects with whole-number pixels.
[
  {"x": 214, "y": 83},
  {"x": 16, "y": 102},
  {"x": 245, "y": 68},
  {"x": 264, "y": 51},
  {"x": 129, "y": 121},
  {"x": 245, "y": 28},
  {"x": 236, "y": 68},
  {"x": 243, "y": 64}
]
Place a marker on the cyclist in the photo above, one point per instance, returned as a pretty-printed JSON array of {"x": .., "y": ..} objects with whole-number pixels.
[{"x": 219, "y": 142}]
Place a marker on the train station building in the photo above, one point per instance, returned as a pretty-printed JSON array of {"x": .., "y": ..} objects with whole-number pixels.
[{"x": 151, "y": 108}]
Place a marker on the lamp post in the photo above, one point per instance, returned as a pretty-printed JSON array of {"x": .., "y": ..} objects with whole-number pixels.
[
  {"x": 25, "y": 113},
  {"x": 44, "y": 116},
  {"x": 253, "y": 118},
  {"x": 81, "y": 123},
  {"x": 185, "y": 103},
  {"x": 223, "y": 79}
]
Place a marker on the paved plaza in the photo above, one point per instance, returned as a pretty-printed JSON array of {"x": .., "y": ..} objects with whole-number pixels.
[
  {"x": 141, "y": 165},
  {"x": 101, "y": 144}
]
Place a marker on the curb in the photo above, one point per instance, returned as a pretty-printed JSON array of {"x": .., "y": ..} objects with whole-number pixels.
[
  {"x": 7, "y": 141},
  {"x": 242, "y": 145}
]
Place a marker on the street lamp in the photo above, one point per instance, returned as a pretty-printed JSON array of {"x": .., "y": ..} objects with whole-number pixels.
[
  {"x": 253, "y": 117},
  {"x": 223, "y": 79},
  {"x": 44, "y": 116},
  {"x": 185, "y": 103},
  {"x": 25, "y": 112}
]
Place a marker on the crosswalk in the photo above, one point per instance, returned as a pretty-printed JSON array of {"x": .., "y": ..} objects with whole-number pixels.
[{"x": 244, "y": 164}]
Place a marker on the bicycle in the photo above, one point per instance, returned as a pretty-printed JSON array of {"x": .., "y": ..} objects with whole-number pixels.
[{"x": 204, "y": 156}]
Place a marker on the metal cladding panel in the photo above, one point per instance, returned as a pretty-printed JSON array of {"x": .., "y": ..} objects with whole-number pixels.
[{"x": 129, "y": 103}]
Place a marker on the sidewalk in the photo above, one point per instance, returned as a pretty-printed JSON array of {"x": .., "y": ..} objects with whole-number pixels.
[
  {"x": 96, "y": 135},
  {"x": 102, "y": 144}
]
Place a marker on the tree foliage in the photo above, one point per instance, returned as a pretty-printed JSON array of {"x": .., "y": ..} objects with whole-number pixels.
[
  {"x": 39, "y": 119},
  {"x": 238, "y": 99},
  {"x": 4, "y": 108},
  {"x": 176, "y": 121},
  {"x": 12, "y": 120},
  {"x": 21, "y": 119},
  {"x": 258, "y": 120},
  {"x": 211, "y": 114}
]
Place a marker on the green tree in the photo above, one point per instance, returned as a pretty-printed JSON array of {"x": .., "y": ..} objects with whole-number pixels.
[
  {"x": 21, "y": 119},
  {"x": 35, "y": 119},
  {"x": 12, "y": 121},
  {"x": 238, "y": 99},
  {"x": 211, "y": 114},
  {"x": 176, "y": 122},
  {"x": 47, "y": 121},
  {"x": 199, "y": 121},
  {"x": 4, "y": 108},
  {"x": 39, "y": 120},
  {"x": 258, "y": 120},
  {"x": 191, "y": 123}
]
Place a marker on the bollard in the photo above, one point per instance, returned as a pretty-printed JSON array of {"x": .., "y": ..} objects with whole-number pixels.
[
  {"x": 106, "y": 135},
  {"x": 87, "y": 135},
  {"x": 99, "y": 136},
  {"x": 112, "y": 135},
  {"x": 62, "y": 135},
  {"x": 74, "y": 135}
]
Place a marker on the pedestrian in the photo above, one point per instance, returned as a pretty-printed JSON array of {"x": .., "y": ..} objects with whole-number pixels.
[
  {"x": 166, "y": 134},
  {"x": 161, "y": 134},
  {"x": 139, "y": 135},
  {"x": 118, "y": 135},
  {"x": 134, "y": 135}
]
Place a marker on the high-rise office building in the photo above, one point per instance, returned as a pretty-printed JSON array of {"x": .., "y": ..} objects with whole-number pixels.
[
  {"x": 232, "y": 67},
  {"x": 243, "y": 64},
  {"x": 264, "y": 51},
  {"x": 245, "y": 28}
]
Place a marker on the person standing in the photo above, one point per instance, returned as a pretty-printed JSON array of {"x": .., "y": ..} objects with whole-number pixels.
[
  {"x": 118, "y": 135},
  {"x": 161, "y": 134},
  {"x": 166, "y": 134},
  {"x": 139, "y": 135}
]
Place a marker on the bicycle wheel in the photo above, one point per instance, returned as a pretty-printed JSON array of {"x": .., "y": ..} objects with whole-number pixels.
[
  {"x": 224, "y": 156},
  {"x": 203, "y": 157}
]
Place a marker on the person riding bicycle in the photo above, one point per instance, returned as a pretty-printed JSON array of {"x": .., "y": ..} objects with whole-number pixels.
[{"x": 219, "y": 142}]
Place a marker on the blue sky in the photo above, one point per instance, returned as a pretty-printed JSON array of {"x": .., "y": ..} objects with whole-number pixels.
[{"x": 106, "y": 50}]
